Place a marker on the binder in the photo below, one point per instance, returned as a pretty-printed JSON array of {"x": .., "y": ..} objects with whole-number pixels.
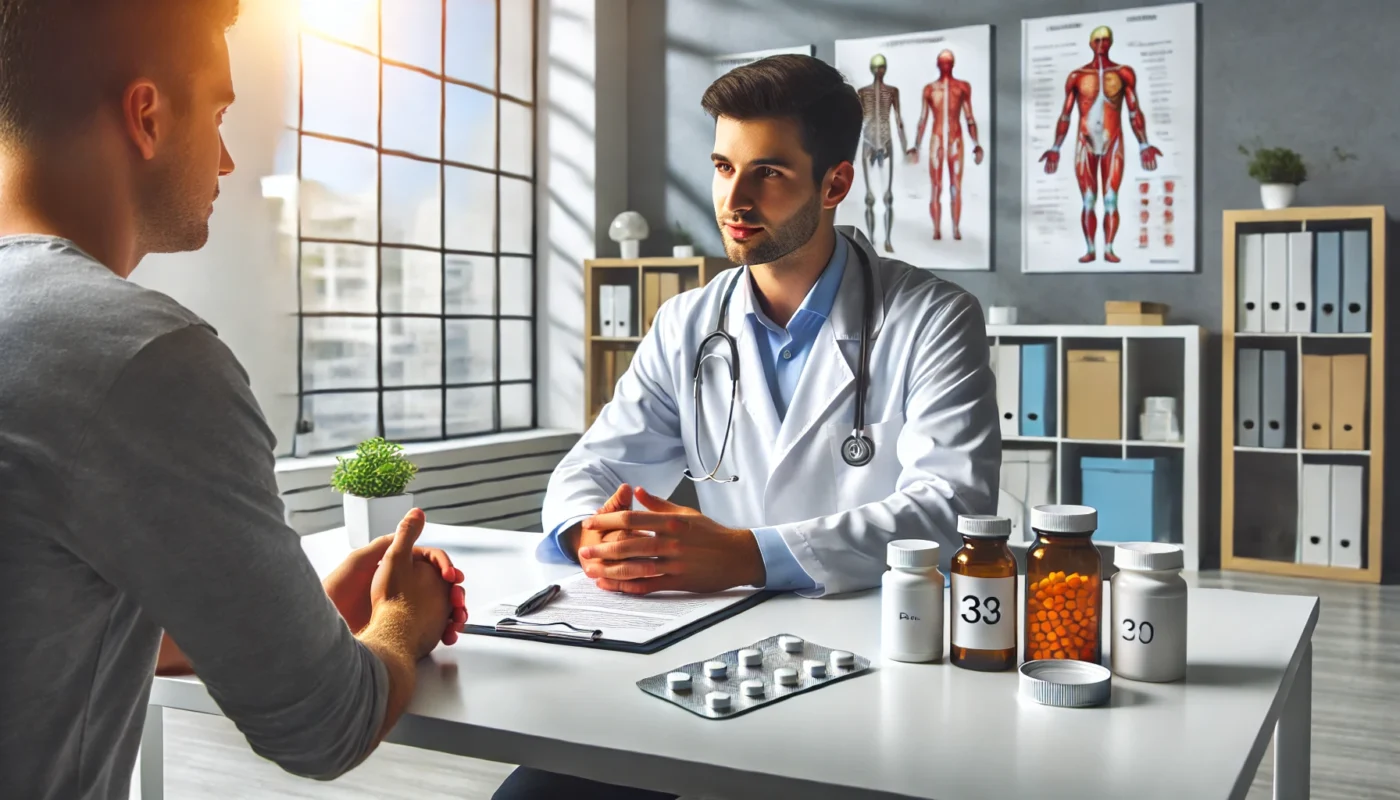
[
  {"x": 1093, "y": 394},
  {"x": 1275, "y": 283},
  {"x": 1273, "y": 399},
  {"x": 1346, "y": 515},
  {"x": 1349, "y": 402},
  {"x": 670, "y": 284},
  {"x": 622, "y": 310},
  {"x": 1040, "y": 474},
  {"x": 1012, "y": 496},
  {"x": 1037, "y": 381},
  {"x": 651, "y": 299},
  {"x": 1247, "y": 398},
  {"x": 1300, "y": 278},
  {"x": 1356, "y": 282},
  {"x": 1009, "y": 388},
  {"x": 1250, "y": 292},
  {"x": 1315, "y": 516},
  {"x": 1317, "y": 403},
  {"x": 605, "y": 309},
  {"x": 1327, "y": 293}
]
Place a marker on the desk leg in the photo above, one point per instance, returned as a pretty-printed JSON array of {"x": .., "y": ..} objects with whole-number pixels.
[
  {"x": 153, "y": 755},
  {"x": 1293, "y": 736}
]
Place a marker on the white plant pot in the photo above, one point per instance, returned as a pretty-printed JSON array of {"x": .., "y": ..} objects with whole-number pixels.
[
  {"x": 631, "y": 248},
  {"x": 369, "y": 518},
  {"x": 1277, "y": 195},
  {"x": 683, "y": 251}
]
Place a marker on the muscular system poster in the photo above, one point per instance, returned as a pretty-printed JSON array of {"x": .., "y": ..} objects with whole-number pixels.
[
  {"x": 923, "y": 187},
  {"x": 1108, "y": 138}
]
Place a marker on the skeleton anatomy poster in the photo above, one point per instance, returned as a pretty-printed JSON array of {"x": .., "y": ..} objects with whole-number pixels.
[
  {"x": 1108, "y": 138},
  {"x": 727, "y": 62},
  {"x": 923, "y": 187}
]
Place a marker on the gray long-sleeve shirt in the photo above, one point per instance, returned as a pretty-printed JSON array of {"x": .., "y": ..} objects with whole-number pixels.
[{"x": 137, "y": 494}]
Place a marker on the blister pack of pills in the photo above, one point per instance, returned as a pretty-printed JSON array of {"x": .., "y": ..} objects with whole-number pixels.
[{"x": 739, "y": 681}]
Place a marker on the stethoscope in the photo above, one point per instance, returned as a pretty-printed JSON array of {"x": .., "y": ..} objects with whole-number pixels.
[{"x": 857, "y": 450}]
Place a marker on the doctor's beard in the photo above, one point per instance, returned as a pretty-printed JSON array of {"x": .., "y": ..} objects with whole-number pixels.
[{"x": 777, "y": 241}]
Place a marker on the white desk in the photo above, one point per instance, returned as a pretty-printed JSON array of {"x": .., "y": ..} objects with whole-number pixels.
[{"x": 920, "y": 731}]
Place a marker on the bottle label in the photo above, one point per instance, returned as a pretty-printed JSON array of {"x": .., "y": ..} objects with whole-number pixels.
[
  {"x": 983, "y": 612},
  {"x": 1149, "y": 636}
]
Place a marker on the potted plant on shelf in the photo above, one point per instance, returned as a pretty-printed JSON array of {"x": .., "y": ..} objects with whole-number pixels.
[
  {"x": 373, "y": 482},
  {"x": 1279, "y": 172},
  {"x": 682, "y": 243}
]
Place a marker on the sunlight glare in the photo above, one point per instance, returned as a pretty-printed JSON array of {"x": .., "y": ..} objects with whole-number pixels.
[{"x": 353, "y": 21}]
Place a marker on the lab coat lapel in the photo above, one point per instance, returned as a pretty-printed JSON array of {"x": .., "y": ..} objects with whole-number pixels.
[{"x": 753, "y": 387}]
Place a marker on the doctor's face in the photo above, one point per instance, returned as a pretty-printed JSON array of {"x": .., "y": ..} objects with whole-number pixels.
[{"x": 766, "y": 202}]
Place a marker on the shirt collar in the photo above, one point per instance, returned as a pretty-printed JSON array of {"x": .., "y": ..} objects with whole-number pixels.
[{"x": 821, "y": 297}]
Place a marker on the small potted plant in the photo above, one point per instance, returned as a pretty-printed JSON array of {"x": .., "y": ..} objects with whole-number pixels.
[
  {"x": 1279, "y": 172},
  {"x": 373, "y": 482},
  {"x": 682, "y": 243}
]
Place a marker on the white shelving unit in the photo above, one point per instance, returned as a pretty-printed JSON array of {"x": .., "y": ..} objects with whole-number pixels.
[{"x": 1144, "y": 349}]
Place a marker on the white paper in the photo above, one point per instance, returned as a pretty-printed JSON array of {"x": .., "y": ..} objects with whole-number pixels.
[
  {"x": 912, "y": 69},
  {"x": 729, "y": 61},
  {"x": 1154, "y": 50},
  {"x": 621, "y": 617}
]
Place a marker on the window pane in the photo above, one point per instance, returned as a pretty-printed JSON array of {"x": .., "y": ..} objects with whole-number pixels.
[
  {"x": 517, "y": 405},
  {"x": 471, "y": 285},
  {"x": 412, "y": 112},
  {"x": 517, "y": 216},
  {"x": 471, "y": 210},
  {"x": 517, "y": 138},
  {"x": 471, "y": 126},
  {"x": 338, "y": 353},
  {"x": 471, "y": 350},
  {"x": 517, "y": 286},
  {"x": 516, "y": 338},
  {"x": 412, "y": 281},
  {"x": 353, "y": 21},
  {"x": 413, "y": 33},
  {"x": 340, "y": 91},
  {"x": 413, "y": 415},
  {"x": 337, "y": 277},
  {"x": 338, "y": 194},
  {"x": 470, "y": 410},
  {"x": 412, "y": 212},
  {"x": 517, "y": 48},
  {"x": 471, "y": 41},
  {"x": 412, "y": 351},
  {"x": 339, "y": 421}
]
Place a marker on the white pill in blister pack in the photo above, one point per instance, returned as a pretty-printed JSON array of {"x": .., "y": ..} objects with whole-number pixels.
[
  {"x": 750, "y": 657},
  {"x": 785, "y": 676},
  {"x": 719, "y": 701},
  {"x": 716, "y": 669},
  {"x": 790, "y": 644},
  {"x": 678, "y": 681},
  {"x": 815, "y": 669},
  {"x": 752, "y": 688},
  {"x": 843, "y": 659}
]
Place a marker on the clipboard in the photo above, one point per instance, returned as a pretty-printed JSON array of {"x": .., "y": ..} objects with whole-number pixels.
[{"x": 555, "y": 634}]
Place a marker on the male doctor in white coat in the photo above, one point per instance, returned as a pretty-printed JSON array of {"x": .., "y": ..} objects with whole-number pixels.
[{"x": 799, "y": 517}]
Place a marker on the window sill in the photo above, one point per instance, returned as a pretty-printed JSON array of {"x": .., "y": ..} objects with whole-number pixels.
[{"x": 318, "y": 463}]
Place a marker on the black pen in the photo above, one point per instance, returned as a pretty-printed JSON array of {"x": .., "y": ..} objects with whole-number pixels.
[{"x": 538, "y": 601}]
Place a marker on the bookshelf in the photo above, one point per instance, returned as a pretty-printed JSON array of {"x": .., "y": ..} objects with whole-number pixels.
[
  {"x": 602, "y": 351},
  {"x": 1273, "y": 492}
]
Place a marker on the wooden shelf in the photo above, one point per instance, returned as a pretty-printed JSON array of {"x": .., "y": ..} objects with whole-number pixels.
[
  {"x": 623, "y": 339},
  {"x": 1295, "y": 451},
  {"x": 1109, "y": 442},
  {"x": 1257, "y": 335},
  {"x": 1294, "y": 570}
]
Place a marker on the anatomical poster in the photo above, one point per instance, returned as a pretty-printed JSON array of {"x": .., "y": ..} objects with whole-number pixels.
[
  {"x": 727, "y": 62},
  {"x": 1108, "y": 141},
  {"x": 923, "y": 186}
]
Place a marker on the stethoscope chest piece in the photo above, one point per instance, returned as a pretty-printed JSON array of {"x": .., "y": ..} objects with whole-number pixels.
[{"x": 857, "y": 450}]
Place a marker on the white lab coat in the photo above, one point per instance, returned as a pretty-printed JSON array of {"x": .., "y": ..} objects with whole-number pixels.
[{"x": 931, "y": 412}]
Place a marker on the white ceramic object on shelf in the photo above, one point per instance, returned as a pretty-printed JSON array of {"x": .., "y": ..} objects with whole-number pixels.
[
  {"x": 1001, "y": 315},
  {"x": 369, "y": 518},
  {"x": 683, "y": 251},
  {"x": 1277, "y": 195},
  {"x": 628, "y": 229}
]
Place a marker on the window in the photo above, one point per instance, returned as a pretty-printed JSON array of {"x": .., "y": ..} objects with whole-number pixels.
[{"x": 415, "y": 234}]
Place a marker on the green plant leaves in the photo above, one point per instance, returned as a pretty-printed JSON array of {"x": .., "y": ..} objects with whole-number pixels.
[{"x": 379, "y": 469}]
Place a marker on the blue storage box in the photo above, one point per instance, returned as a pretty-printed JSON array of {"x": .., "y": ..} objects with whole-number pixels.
[{"x": 1132, "y": 495}]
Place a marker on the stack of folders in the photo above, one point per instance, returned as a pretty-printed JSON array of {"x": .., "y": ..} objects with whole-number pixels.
[
  {"x": 1330, "y": 515},
  {"x": 1025, "y": 376},
  {"x": 657, "y": 288},
  {"x": 1304, "y": 282}
]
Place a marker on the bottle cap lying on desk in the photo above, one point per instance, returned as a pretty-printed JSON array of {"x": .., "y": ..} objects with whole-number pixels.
[{"x": 1067, "y": 683}]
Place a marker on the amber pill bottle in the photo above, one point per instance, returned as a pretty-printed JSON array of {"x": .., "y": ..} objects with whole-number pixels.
[
  {"x": 1064, "y": 585},
  {"x": 982, "y": 611}
]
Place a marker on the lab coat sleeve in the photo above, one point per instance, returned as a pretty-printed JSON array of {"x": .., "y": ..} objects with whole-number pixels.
[
  {"x": 949, "y": 451},
  {"x": 784, "y": 572},
  {"x": 636, "y": 438}
]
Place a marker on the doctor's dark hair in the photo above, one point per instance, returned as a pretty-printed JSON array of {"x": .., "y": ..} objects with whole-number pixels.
[
  {"x": 805, "y": 89},
  {"x": 61, "y": 59}
]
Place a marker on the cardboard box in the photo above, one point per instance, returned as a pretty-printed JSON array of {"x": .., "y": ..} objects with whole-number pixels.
[
  {"x": 1094, "y": 395},
  {"x": 1137, "y": 319},
  {"x": 1135, "y": 307}
]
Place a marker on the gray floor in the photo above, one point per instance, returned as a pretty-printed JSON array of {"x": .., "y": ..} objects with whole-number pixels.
[{"x": 1356, "y": 722}]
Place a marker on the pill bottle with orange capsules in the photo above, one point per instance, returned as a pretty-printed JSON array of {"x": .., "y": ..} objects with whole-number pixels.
[{"x": 1064, "y": 585}]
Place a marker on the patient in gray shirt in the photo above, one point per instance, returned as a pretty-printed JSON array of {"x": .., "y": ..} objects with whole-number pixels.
[{"x": 137, "y": 494}]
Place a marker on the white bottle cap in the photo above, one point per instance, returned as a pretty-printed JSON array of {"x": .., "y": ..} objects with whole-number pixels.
[
  {"x": 1148, "y": 556},
  {"x": 912, "y": 554},
  {"x": 678, "y": 681},
  {"x": 791, "y": 644},
  {"x": 785, "y": 676},
  {"x": 1064, "y": 519},
  {"x": 717, "y": 701},
  {"x": 841, "y": 658},
  {"x": 816, "y": 669},
  {"x": 752, "y": 688},
  {"x": 984, "y": 526},
  {"x": 716, "y": 669},
  {"x": 1068, "y": 683},
  {"x": 750, "y": 657}
]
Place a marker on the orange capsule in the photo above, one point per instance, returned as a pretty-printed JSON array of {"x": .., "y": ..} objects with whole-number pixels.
[
  {"x": 1059, "y": 654},
  {"x": 1042, "y": 615}
]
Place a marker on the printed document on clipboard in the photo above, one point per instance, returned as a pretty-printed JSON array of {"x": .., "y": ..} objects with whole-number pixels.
[{"x": 584, "y": 614}]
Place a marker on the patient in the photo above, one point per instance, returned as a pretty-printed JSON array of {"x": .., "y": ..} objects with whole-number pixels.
[{"x": 137, "y": 493}]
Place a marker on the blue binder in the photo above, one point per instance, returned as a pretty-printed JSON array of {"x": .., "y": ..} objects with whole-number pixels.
[
  {"x": 1356, "y": 282},
  {"x": 1327, "y": 295},
  {"x": 1037, "y": 383}
]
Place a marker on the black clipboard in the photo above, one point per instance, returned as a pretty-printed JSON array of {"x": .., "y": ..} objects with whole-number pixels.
[{"x": 645, "y": 648}]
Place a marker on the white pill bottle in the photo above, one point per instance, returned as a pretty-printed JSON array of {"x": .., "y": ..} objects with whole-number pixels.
[
  {"x": 911, "y": 602},
  {"x": 1149, "y": 612}
]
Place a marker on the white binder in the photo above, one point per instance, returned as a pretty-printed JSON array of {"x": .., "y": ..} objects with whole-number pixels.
[
  {"x": 1247, "y": 399},
  {"x": 622, "y": 311},
  {"x": 1346, "y": 515},
  {"x": 1275, "y": 283},
  {"x": 605, "y": 310},
  {"x": 1250, "y": 291},
  {"x": 1011, "y": 499},
  {"x": 1040, "y": 474},
  {"x": 1300, "y": 280},
  {"x": 1009, "y": 388},
  {"x": 1315, "y": 515},
  {"x": 1273, "y": 399}
]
